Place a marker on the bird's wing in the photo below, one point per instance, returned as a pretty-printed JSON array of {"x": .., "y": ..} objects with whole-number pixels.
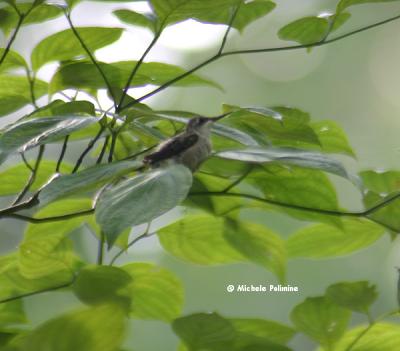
[{"x": 173, "y": 147}]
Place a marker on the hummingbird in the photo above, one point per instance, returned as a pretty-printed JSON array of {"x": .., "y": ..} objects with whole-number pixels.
[{"x": 189, "y": 148}]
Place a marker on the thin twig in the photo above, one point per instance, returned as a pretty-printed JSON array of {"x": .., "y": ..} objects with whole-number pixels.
[
  {"x": 49, "y": 219},
  {"x": 11, "y": 41},
  {"x": 62, "y": 154},
  {"x": 135, "y": 69},
  {"x": 103, "y": 150},
  {"x": 133, "y": 242},
  {"x": 27, "y": 164},
  {"x": 92, "y": 58},
  {"x": 88, "y": 148},
  {"x": 238, "y": 181},
  {"x": 32, "y": 177},
  {"x": 232, "y": 19},
  {"x": 255, "y": 51},
  {"x": 31, "y": 79},
  {"x": 100, "y": 251},
  {"x": 37, "y": 292}
]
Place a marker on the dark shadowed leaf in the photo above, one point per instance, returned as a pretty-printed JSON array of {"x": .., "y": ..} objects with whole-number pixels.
[
  {"x": 156, "y": 293},
  {"x": 65, "y": 46},
  {"x": 355, "y": 296},
  {"x": 99, "y": 328},
  {"x": 28, "y": 133},
  {"x": 142, "y": 198},
  {"x": 203, "y": 331},
  {"x": 307, "y": 30},
  {"x": 323, "y": 240},
  {"x": 321, "y": 320},
  {"x": 101, "y": 284},
  {"x": 85, "y": 180}
]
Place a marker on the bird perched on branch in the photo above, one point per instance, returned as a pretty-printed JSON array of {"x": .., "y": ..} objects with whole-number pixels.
[{"x": 189, "y": 148}]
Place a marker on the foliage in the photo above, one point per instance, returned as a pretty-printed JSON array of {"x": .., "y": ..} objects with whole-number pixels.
[{"x": 265, "y": 159}]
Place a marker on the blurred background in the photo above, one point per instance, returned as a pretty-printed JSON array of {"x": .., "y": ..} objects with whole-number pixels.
[{"x": 354, "y": 82}]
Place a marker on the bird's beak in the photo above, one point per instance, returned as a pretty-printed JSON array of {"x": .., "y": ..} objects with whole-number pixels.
[{"x": 215, "y": 119}]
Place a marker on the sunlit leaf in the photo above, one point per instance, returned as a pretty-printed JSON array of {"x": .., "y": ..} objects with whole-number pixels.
[
  {"x": 156, "y": 293},
  {"x": 11, "y": 314},
  {"x": 355, "y": 296},
  {"x": 13, "y": 179},
  {"x": 13, "y": 60},
  {"x": 142, "y": 198},
  {"x": 99, "y": 328},
  {"x": 85, "y": 180},
  {"x": 307, "y": 30},
  {"x": 343, "y": 4},
  {"x": 15, "y": 92},
  {"x": 322, "y": 240},
  {"x": 136, "y": 19},
  {"x": 381, "y": 337},
  {"x": 28, "y": 133},
  {"x": 321, "y": 320},
  {"x": 62, "y": 108},
  {"x": 65, "y": 46}
]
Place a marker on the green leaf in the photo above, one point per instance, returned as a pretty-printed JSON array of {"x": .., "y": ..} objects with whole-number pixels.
[
  {"x": 296, "y": 186},
  {"x": 11, "y": 314},
  {"x": 258, "y": 245},
  {"x": 203, "y": 331},
  {"x": 343, "y": 4},
  {"x": 85, "y": 180},
  {"x": 42, "y": 13},
  {"x": 156, "y": 293},
  {"x": 321, "y": 320},
  {"x": 287, "y": 156},
  {"x": 62, "y": 108},
  {"x": 281, "y": 126},
  {"x": 263, "y": 329},
  {"x": 381, "y": 337},
  {"x": 332, "y": 137},
  {"x": 85, "y": 75},
  {"x": 64, "y": 45},
  {"x": 248, "y": 13},
  {"x": 381, "y": 181},
  {"x": 99, "y": 328},
  {"x": 13, "y": 60},
  {"x": 322, "y": 240},
  {"x": 29, "y": 133},
  {"x": 13, "y": 179},
  {"x": 101, "y": 284},
  {"x": 45, "y": 249},
  {"x": 199, "y": 239},
  {"x": 307, "y": 30},
  {"x": 141, "y": 199},
  {"x": 136, "y": 19},
  {"x": 15, "y": 92},
  {"x": 355, "y": 296}
]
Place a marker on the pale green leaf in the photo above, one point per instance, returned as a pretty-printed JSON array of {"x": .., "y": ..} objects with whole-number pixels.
[
  {"x": 355, "y": 296},
  {"x": 13, "y": 60},
  {"x": 323, "y": 240},
  {"x": 156, "y": 293},
  {"x": 64, "y": 45},
  {"x": 343, "y": 4},
  {"x": 321, "y": 320},
  {"x": 136, "y": 19},
  {"x": 141, "y": 199}
]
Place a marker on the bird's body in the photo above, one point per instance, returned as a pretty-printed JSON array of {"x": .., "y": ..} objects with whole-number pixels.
[{"x": 189, "y": 148}]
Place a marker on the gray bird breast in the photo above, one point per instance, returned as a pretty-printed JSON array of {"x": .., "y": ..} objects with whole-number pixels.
[{"x": 195, "y": 155}]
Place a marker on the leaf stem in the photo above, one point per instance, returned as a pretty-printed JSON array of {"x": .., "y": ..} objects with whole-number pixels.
[
  {"x": 62, "y": 154},
  {"x": 255, "y": 51},
  {"x": 32, "y": 177},
  {"x": 100, "y": 252},
  {"x": 91, "y": 56},
  {"x": 37, "y": 292}
]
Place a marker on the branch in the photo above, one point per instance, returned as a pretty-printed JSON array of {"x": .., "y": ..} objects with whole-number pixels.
[
  {"x": 337, "y": 213},
  {"x": 37, "y": 292},
  {"x": 14, "y": 35},
  {"x": 255, "y": 51},
  {"x": 49, "y": 219},
  {"x": 32, "y": 177},
  {"x": 92, "y": 58},
  {"x": 232, "y": 19},
  {"x": 62, "y": 154}
]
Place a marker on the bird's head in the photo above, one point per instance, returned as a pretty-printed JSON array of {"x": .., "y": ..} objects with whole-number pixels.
[{"x": 202, "y": 124}]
